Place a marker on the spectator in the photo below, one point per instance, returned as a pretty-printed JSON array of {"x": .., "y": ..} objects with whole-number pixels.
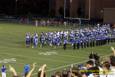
[
  {"x": 95, "y": 72},
  {"x": 31, "y": 71},
  {"x": 13, "y": 71},
  {"x": 105, "y": 71},
  {"x": 3, "y": 70},
  {"x": 95, "y": 58},
  {"x": 112, "y": 62},
  {"x": 65, "y": 73},
  {"x": 57, "y": 74},
  {"x": 26, "y": 69},
  {"x": 41, "y": 71},
  {"x": 89, "y": 66}
]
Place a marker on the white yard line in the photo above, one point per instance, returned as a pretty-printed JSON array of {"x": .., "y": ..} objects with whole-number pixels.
[
  {"x": 46, "y": 59},
  {"x": 71, "y": 56}
]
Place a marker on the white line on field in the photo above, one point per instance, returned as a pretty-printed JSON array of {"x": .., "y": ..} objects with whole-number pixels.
[
  {"x": 37, "y": 58},
  {"x": 70, "y": 56},
  {"x": 45, "y": 58},
  {"x": 38, "y": 65}
]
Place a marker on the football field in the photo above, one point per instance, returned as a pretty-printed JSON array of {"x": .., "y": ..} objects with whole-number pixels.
[{"x": 13, "y": 50}]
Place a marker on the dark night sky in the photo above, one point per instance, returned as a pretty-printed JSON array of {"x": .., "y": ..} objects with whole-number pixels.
[{"x": 22, "y": 7}]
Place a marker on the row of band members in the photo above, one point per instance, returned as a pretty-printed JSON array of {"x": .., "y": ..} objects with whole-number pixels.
[{"x": 61, "y": 40}]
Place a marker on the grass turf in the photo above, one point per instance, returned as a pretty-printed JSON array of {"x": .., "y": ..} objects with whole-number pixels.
[{"x": 12, "y": 45}]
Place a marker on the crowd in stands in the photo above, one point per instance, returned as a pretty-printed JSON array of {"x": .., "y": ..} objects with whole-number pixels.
[
  {"x": 94, "y": 67},
  {"x": 77, "y": 38}
]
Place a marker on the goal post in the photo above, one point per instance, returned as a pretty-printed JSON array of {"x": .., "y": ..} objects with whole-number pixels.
[{"x": 71, "y": 1}]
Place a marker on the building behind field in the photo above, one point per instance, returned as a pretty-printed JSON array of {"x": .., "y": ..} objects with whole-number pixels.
[
  {"x": 90, "y": 9},
  {"x": 82, "y": 8},
  {"x": 109, "y": 15}
]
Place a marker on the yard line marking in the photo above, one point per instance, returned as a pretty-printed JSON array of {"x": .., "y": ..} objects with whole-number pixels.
[
  {"x": 41, "y": 58},
  {"x": 37, "y": 58},
  {"x": 71, "y": 56},
  {"x": 21, "y": 63},
  {"x": 45, "y": 58},
  {"x": 59, "y": 54}
]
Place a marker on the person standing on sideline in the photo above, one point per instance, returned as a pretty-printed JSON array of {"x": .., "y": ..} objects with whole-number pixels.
[
  {"x": 28, "y": 40},
  {"x": 26, "y": 69},
  {"x": 3, "y": 70}
]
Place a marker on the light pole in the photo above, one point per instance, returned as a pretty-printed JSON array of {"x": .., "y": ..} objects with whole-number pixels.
[
  {"x": 50, "y": 5},
  {"x": 89, "y": 9},
  {"x": 64, "y": 8},
  {"x": 16, "y": 7}
]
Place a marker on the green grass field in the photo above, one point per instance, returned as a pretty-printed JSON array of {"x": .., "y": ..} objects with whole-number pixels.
[{"x": 12, "y": 45}]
